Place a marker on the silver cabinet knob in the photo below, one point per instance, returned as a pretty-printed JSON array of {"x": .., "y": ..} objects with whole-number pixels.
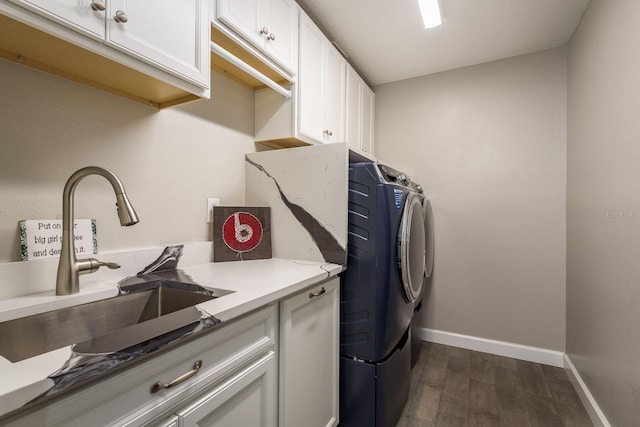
[
  {"x": 120, "y": 17},
  {"x": 327, "y": 132},
  {"x": 272, "y": 36},
  {"x": 98, "y": 5},
  {"x": 264, "y": 31}
]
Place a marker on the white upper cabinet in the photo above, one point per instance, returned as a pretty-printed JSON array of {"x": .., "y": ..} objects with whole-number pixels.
[
  {"x": 368, "y": 112},
  {"x": 86, "y": 17},
  {"x": 334, "y": 95},
  {"x": 321, "y": 85},
  {"x": 353, "y": 98},
  {"x": 242, "y": 16},
  {"x": 360, "y": 111},
  {"x": 152, "y": 51},
  {"x": 281, "y": 41},
  {"x": 325, "y": 108},
  {"x": 310, "y": 81},
  {"x": 270, "y": 25},
  {"x": 166, "y": 33}
]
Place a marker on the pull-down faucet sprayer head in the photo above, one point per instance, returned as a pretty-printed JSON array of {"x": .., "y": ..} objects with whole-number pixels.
[{"x": 126, "y": 213}]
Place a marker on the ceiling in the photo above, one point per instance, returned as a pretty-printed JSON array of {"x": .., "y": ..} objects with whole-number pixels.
[{"x": 386, "y": 41}]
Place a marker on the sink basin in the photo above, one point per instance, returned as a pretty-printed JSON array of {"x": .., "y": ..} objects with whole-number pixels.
[{"x": 144, "y": 312}]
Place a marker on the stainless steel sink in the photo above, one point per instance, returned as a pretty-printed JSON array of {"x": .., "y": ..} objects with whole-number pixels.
[{"x": 145, "y": 312}]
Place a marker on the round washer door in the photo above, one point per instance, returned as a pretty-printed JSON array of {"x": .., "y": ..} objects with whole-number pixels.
[
  {"x": 412, "y": 247},
  {"x": 428, "y": 238}
]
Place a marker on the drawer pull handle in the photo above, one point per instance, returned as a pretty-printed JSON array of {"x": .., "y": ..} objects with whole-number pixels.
[
  {"x": 182, "y": 378},
  {"x": 317, "y": 294}
]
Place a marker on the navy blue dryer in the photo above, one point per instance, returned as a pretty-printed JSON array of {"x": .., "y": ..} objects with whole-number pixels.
[
  {"x": 416, "y": 342},
  {"x": 384, "y": 277}
]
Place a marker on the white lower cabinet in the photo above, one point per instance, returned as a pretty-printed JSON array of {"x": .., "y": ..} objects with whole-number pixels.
[
  {"x": 128, "y": 398},
  {"x": 309, "y": 357},
  {"x": 246, "y": 399},
  {"x": 244, "y": 374}
]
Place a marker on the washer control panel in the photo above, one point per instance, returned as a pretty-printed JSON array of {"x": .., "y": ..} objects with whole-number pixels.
[{"x": 393, "y": 176}]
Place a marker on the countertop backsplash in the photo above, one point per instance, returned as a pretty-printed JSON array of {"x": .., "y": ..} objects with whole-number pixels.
[
  {"x": 18, "y": 279},
  {"x": 306, "y": 188}
]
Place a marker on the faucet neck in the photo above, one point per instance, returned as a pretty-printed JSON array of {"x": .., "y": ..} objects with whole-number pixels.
[{"x": 72, "y": 183}]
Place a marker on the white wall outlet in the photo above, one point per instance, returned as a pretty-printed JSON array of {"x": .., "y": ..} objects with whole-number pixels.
[{"x": 211, "y": 202}]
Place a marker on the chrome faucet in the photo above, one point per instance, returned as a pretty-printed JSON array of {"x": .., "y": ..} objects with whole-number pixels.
[{"x": 69, "y": 267}]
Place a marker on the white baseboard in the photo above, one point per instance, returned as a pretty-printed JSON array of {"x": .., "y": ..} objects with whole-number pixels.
[
  {"x": 501, "y": 348},
  {"x": 590, "y": 404}
]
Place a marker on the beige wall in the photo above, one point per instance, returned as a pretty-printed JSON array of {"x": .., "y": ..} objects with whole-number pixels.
[
  {"x": 488, "y": 144},
  {"x": 169, "y": 161},
  {"x": 603, "y": 207}
]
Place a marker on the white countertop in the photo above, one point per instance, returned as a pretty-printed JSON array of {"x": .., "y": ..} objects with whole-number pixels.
[{"x": 254, "y": 284}]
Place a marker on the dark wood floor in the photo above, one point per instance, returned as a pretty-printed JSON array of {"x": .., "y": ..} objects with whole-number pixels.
[{"x": 457, "y": 387}]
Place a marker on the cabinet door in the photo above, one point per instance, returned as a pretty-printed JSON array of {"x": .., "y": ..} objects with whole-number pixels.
[
  {"x": 244, "y": 17},
  {"x": 353, "y": 126},
  {"x": 246, "y": 399},
  {"x": 281, "y": 17},
  {"x": 309, "y": 357},
  {"x": 359, "y": 113},
  {"x": 310, "y": 80},
  {"x": 368, "y": 110},
  {"x": 172, "y": 35},
  {"x": 334, "y": 94},
  {"x": 74, "y": 14}
]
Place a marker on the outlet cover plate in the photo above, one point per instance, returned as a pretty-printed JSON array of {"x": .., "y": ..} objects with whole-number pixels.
[{"x": 211, "y": 202}]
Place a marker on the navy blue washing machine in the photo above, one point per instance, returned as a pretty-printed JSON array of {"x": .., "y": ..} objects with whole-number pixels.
[{"x": 379, "y": 290}]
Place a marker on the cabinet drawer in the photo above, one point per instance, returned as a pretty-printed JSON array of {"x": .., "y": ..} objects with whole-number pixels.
[
  {"x": 126, "y": 398},
  {"x": 246, "y": 399}
]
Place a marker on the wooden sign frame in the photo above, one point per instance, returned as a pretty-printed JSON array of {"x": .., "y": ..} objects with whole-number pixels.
[{"x": 241, "y": 233}]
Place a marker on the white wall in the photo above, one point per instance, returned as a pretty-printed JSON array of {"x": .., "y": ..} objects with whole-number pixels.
[
  {"x": 488, "y": 144},
  {"x": 603, "y": 207},
  {"x": 170, "y": 161}
]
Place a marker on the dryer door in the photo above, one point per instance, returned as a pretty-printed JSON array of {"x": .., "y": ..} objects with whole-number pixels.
[
  {"x": 428, "y": 238},
  {"x": 411, "y": 244}
]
